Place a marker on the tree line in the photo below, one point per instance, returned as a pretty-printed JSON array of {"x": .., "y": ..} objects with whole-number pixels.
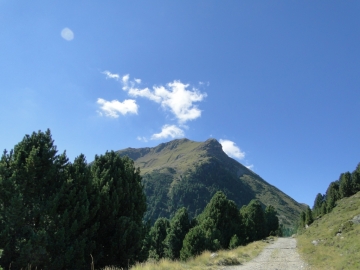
[
  {"x": 57, "y": 214},
  {"x": 347, "y": 185},
  {"x": 220, "y": 226}
]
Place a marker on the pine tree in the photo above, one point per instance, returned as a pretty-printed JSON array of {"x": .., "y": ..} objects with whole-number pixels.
[
  {"x": 225, "y": 216},
  {"x": 179, "y": 227},
  {"x": 157, "y": 235},
  {"x": 319, "y": 199},
  {"x": 254, "y": 219},
  {"x": 194, "y": 243},
  {"x": 332, "y": 195},
  {"x": 345, "y": 187},
  {"x": 308, "y": 216},
  {"x": 272, "y": 221},
  {"x": 355, "y": 179},
  {"x": 122, "y": 205},
  {"x": 30, "y": 182}
]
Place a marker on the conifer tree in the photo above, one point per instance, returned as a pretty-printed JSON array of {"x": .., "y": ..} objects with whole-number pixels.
[
  {"x": 179, "y": 227},
  {"x": 254, "y": 219},
  {"x": 194, "y": 243},
  {"x": 319, "y": 199},
  {"x": 345, "y": 187},
  {"x": 308, "y": 216},
  {"x": 272, "y": 221},
  {"x": 355, "y": 179},
  {"x": 225, "y": 218},
  {"x": 157, "y": 235},
  {"x": 122, "y": 205},
  {"x": 332, "y": 195},
  {"x": 30, "y": 182}
]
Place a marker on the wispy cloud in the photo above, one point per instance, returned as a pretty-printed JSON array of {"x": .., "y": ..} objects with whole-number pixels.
[
  {"x": 142, "y": 139},
  {"x": 174, "y": 96},
  {"x": 231, "y": 149},
  {"x": 168, "y": 131},
  {"x": 250, "y": 167},
  {"x": 110, "y": 75},
  {"x": 114, "y": 108}
]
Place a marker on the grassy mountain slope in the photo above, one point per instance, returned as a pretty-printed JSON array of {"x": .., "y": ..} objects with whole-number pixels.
[
  {"x": 333, "y": 241},
  {"x": 187, "y": 173}
]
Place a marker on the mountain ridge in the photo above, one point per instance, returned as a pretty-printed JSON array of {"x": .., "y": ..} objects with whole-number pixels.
[{"x": 186, "y": 173}]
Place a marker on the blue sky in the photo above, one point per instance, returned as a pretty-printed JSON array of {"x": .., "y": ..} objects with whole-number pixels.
[{"x": 276, "y": 82}]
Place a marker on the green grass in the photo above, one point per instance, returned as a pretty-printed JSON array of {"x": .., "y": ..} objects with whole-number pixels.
[
  {"x": 236, "y": 256},
  {"x": 334, "y": 251}
]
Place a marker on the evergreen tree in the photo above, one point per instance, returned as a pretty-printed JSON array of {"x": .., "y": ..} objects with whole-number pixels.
[
  {"x": 272, "y": 221},
  {"x": 122, "y": 205},
  {"x": 355, "y": 179},
  {"x": 319, "y": 199},
  {"x": 332, "y": 195},
  {"x": 31, "y": 177},
  {"x": 254, "y": 219},
  {"x": 302, "y": 220},
  {"x": 225, "y": 218},
  {"x": 194, "y": 243},
  {"x": 308, "y": 216},
  {"x": 157, "y": 235},
  {"x": 179, "y": 227},
  {"x": 74, "y": 209},
  {"x": 234, "y": 242},
  {"x": 345, "y": 187}
]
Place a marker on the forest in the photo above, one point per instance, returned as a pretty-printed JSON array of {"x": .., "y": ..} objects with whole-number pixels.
[
  {"x": 347, "y": 185},
  {"x": 57, "y": 214}
]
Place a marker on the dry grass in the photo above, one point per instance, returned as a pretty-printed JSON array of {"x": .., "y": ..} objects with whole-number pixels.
[
  {"x": 206, "y": 261},
  {"x": 334, "y": 250}
]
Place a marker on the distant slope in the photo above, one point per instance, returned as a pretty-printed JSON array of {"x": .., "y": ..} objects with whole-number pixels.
[
  {"x": 332, "y": 241},
  {"x": 187, "y": 173}
]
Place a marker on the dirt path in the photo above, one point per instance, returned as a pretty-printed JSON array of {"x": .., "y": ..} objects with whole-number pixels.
[{"x": 280, "y": 255}]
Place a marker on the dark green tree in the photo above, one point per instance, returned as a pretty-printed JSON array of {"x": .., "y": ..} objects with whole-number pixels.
[
  {"x": 158, "y": 234},
  {"x": 308, "y": 216},
  {"x": 272, "y": 221},
  {"x": 254, "y": 219},
  {"x": 31, "y": 177},
  {"x": 332, "y": 195},
  {"x": 319, "y": 199},
  {"x": 122, "y": 205},
  {"x": 302, "y": 220},
  {"x": 345, "y": 187},
  {"x": 74, "y": 227},
  {"x": 225, "y": 218},
  {"x": 194, "y": 243},
  {"x": 355, "y": 179},
  {"x": 179, "y": 227}
]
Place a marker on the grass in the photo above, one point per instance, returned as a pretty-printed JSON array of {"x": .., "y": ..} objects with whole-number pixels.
[
  {"x": 338, "y": 239},
  {"x": 236, "y": 256}
]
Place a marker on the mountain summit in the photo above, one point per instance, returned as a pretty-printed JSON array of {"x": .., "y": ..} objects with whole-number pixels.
[{"x": 187, "y": 173}]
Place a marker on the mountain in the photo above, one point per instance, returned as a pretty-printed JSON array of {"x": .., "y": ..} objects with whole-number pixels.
[{"x": 187, "y": 173}]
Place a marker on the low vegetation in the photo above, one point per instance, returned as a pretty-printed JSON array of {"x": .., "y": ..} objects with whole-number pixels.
[
  {"x": 332, "y": 240},
  {"x": 208, "y": 260}
]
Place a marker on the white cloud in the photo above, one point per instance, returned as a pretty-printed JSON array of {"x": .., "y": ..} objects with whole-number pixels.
[
  {"x": 231, "y": 149},
  {"x": 114, "y": 108},
  {"x": 143, "y": 139},
  {"x": 174, "y": 96},
  {"x": 168, "y": 131},
  {"x": 250, "y": 167},
  {"x": 110, "y": 75},
  {"x": 67, "y": 34}
]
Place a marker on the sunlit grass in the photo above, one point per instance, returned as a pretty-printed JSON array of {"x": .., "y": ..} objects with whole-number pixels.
[
  {"x": 333, "y": 250},
  {"x": 236, "y": 256}
]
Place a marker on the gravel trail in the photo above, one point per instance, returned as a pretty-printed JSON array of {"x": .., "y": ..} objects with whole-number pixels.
[{"x": 280, "y": 255}]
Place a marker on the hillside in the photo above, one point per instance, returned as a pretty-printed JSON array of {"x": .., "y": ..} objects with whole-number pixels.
[
  {"x": 187, "y": 173},
  {"x": 332, "y": 241}
]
